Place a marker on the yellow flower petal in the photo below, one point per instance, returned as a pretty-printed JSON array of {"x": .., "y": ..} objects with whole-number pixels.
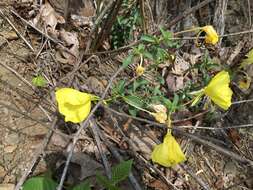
[
  {"x": 73, "y": 104},
  {"x": 211, "y": 35},
  {"x": 139, "y": 70},
  {"x": 218, "y": 90},
  {"x": 168, "y": 153}
]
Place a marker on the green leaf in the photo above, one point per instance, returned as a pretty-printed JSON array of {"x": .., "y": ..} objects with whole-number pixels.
[
  {"x": 39, "y": 183},
  {"x": 121, "y": 171},
  {"x": 128, "y": 61},
  {"x": 174, "y": 103},
  {"x": 133, "y": 111},
  {"x": 149, "y": 38},
  {"x": 82, "y": 186},
  {"x": 148, "y": 55},
  {"x": 119, "y": 88},
  {"x": 139, "y": 83},
  {"x": 39, "y": 81},
  {"x": 105, "y": 182},
  {"x": 167, "y": 35},
  {"x": 134, "y": 101}
]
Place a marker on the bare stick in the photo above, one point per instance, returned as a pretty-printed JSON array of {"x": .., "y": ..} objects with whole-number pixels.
[
  {"x": 95, "y": 129},
  {"x": 97, "y": 22},
  {"x": 36, "y": 157},
  {"x": 16, "y": 30},
  {"x": 83, "y": 126},
  {"x": 180, "y": 127},
  {"x": 18, "y": 75},
  {"x": 188, "y": 12}
]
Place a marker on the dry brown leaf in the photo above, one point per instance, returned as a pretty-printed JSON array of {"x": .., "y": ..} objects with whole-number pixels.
[
  {"x": 180, "y": 66},
  {"x": 174, "y": 82},
  {"x": 72, "y": 43},
  {"x": 159, "y": 185},
  {"x": 89, "y": 166},
  {"x": 48, "y": 18}
]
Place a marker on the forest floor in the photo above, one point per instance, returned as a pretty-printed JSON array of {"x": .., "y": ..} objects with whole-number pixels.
[{"x": 35, "y": 139}]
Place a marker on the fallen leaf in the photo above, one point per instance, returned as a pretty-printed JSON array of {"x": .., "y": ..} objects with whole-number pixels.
[
  {"x": 48, "y": 18},
  {"x": 234, "y": 136},
  {"x": 174, "y": 82},
  {"x": 89, "y": 166},
  {"x": 180, "y": 66},
  {"x": 159, "y": 185},
  {"x": 71, "y": 42}
]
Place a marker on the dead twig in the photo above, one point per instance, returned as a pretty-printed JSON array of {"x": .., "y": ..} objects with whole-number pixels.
[
  {"x": 186, "y": 13},
  {"x": 16, "y": 30},
  {"x": 219, "y": 17},
  {"x": 95, "y": 129},
  {"x": 97, "y": 22},
  {"x": 106, "y": 28}
]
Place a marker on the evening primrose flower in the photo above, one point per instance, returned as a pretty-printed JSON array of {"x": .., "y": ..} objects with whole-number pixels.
[
  {"x": 211, "y": 35},
  {"x": 168, "y": 153},
  {"x": 73, "y": 104},
  {"x": 217, "y": 90}
]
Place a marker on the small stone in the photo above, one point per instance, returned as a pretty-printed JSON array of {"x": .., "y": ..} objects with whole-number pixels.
[
  {"x": 12, "y": 139},
  {"x": 10, "y": 148},
  {"x": 2, "y": 172},
  {"x": 7, "y": 186}
]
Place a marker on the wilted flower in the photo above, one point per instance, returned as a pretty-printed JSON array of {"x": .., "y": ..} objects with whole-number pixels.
[
  {"x": 244, "y": 84},
  {"x": 139, "y": 70},
  {"x": 218, "y": 90},
  {"x": 168, "y": 153},
  {"x": 160, "y": 113},
  {"x": 211, "y": 35},
  {"x": 73, "y": 104}
]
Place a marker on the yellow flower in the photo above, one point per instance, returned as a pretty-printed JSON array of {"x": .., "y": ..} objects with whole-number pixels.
[
  {"x": 211, "y": 35},
  {"x": 160, "y": 113},
  {"x": 73, "y": 104},
  {"x": 139, "y": 70},
  {"x": 218, "y": 90},
  {"x": 168, "y": 153}
]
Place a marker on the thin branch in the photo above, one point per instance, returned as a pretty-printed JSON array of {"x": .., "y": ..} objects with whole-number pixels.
[
  {"x": 95, "y": 131},
  {"x": 179, "y": 127},
  {"x": 16, "y": 30}
]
